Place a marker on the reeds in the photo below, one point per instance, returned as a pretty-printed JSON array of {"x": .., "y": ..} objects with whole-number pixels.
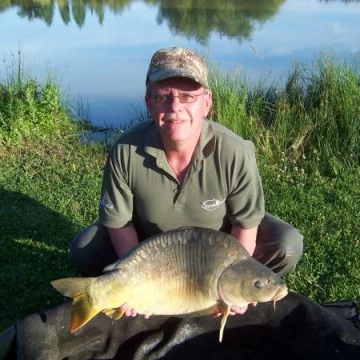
[
  {"x": 314, "y": 114},
  {"x": 28, "y": 108}
]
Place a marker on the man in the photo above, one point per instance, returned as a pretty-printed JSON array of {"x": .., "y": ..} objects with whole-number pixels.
[{"x": 178, "y": 169}]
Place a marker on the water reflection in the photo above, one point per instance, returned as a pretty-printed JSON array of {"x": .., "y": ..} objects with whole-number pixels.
[
  {"x": 76, "y": 9},
  {"x": 100, "y": 48},
  {"x": 198, "y": 19},
  {"x": 193, "y": 19}
]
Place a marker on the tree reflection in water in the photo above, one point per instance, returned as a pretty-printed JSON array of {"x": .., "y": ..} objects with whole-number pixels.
[{"x": 196, "y": 19}]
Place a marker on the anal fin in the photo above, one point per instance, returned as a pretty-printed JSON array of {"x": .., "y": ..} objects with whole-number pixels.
[{"x": 115, "y": 314}]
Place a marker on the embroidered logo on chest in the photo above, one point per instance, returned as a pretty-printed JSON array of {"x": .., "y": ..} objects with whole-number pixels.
[{"x": 213, "y": 204}]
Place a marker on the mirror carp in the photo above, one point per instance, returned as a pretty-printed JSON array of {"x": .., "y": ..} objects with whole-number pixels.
[{"x": 194, "y": 271}]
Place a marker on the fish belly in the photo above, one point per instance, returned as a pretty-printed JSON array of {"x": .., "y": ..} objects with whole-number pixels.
[{"x": 160, "y": 296}]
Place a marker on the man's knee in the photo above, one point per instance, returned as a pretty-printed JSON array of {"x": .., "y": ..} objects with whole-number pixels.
[
  {"x": 90, "y": 251},
  {"x": 81, "y": 243},
  {"x": 279, "y": 245},
  {"x": 291, "y": 247}
]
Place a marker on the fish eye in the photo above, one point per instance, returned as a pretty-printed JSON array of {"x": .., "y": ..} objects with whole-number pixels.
[{"x": 258, "y": 284}]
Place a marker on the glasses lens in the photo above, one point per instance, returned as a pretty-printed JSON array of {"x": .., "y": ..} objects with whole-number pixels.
[
  {"x": 160, "y": 99},
  {"x": 187, "y": 98}
]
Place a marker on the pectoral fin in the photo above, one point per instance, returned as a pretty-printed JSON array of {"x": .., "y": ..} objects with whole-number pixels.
[{"x": 223, "y": 321}]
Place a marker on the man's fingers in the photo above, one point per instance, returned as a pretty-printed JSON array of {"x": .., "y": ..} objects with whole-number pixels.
[
  {"x": 238, "y": 309},
  {"x": 233, "y": 311},
  {"x": 128, "y": 311}
]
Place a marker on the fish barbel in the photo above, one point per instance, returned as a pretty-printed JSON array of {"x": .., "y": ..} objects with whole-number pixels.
[{"x": 192, "y": 270}]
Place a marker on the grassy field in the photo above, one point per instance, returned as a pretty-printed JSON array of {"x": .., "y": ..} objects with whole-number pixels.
[{"x": 308, "y": 140}]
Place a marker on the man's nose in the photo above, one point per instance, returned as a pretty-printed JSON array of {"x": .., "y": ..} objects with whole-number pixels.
[{"x": 175, "y": 103}]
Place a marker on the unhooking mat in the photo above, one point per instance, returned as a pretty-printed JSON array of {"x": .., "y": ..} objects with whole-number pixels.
[{"x": 298, "y": 329}]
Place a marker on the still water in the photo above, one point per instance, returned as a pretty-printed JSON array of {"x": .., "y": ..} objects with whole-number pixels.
[{"x": 99, "y": 50}]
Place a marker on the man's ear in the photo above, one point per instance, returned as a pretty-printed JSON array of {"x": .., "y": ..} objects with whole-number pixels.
[{"x": 207, "y": 103}]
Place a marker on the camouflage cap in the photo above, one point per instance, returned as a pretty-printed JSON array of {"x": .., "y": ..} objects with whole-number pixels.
[{"x": 177, "y": 62}]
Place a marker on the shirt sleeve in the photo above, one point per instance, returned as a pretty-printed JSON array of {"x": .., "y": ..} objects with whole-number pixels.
[
  {"x": 245, "y": 200},
  {"x": 116, "y": 200}
]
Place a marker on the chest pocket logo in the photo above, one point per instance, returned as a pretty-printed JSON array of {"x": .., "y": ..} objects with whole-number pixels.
[{"x": 213, "y": 204}]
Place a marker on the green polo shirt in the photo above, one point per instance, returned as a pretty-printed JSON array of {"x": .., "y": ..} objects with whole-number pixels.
[{"x": 222, "y": 187}]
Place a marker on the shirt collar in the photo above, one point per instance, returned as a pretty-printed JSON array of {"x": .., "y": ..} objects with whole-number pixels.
[
  {"x": 207, "y": 141},
  {"x": 153, "y": 145}
]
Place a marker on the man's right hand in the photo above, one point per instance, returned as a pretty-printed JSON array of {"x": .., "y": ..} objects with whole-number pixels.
[{"x": 129, "y": 311}]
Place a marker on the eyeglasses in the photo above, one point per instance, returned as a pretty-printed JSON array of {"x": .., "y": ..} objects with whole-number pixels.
[{"x": 184, "y": 98}]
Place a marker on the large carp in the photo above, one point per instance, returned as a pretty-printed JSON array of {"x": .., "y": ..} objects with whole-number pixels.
[{"x": 190, "y": 270}]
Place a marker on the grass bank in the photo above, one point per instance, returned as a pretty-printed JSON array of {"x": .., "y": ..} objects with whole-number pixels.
[{"x": 307, "y": 135}]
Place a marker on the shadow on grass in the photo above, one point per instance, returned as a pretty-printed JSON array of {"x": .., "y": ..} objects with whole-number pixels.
[{"x": 34, "y": 243}]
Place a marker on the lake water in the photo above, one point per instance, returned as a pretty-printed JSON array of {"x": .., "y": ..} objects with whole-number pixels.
[{"x": 99, "y": 50}]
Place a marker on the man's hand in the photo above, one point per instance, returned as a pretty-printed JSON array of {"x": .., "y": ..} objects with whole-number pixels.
[
  {"x": 127, "y": 310},
  {"x": 130, "y": 312},
  {"x": 240, "y": 310}
]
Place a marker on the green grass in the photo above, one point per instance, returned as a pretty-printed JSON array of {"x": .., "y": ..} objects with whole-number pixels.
[
  {"x": 325, "y": 210},
  {"x": 307, "y": 135},
  {"x": 47, "y": 194}
]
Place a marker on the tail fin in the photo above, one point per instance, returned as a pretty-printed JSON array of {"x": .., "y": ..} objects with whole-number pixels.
[{"x": 76, "y": 289}]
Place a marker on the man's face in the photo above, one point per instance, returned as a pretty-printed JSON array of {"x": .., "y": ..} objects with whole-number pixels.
[{"x": 178, "y": 121}]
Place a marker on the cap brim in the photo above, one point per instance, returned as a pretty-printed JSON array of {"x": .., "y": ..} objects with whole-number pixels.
[{"x": 163, "y": 75}]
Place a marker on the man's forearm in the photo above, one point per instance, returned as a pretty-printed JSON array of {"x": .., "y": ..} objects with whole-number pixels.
[
  {"x": 123, "y": 239},
  {"x": 246, "y": 237}
]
